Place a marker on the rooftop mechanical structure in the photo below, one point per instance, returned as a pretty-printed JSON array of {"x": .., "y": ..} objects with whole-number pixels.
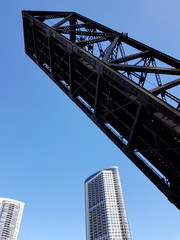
[{"x": 128, "y": 89}]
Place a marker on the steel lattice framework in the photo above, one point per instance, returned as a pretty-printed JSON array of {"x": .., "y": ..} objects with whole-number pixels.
[{"x": 125, "y": 87}]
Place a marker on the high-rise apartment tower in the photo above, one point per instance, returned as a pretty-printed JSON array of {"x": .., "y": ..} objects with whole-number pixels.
[
  {"x": 10, "y": 218},
  {"x": 106, "y": 217}
]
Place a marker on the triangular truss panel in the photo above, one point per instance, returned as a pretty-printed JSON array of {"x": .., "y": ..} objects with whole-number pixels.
[{"x": 125, "y": 87}]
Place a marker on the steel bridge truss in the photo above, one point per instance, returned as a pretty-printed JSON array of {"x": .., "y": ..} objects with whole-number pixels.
[{"x": 125, "y": 87}]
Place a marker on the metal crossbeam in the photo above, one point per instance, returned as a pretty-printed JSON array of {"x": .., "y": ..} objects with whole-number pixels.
[
  {"x": 131, "y": 57},
  {"x": 136, "y": 68},
  {"x": 62, "y": 21},
  {"x": 110, "y": 49},
  {"x": 88, "y": 62},
  {"x": 165, "y": 86}
]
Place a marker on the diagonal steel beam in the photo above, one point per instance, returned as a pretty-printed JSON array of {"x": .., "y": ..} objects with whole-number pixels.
[
  {"x": 111, "y": 48},
  {"x": 62, "y": 21},
  {"x": 165, "y": 87},
  {"x": 136, "y": 68},
  {"x": 131, "y": 57}
]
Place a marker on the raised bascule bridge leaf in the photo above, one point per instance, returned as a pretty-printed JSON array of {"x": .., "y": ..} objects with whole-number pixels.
[{"x": 128, "y": 89}]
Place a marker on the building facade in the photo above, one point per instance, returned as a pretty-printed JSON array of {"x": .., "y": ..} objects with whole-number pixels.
[
  {"x": 10, "y": 218},
  {"x": 106, "y": 217}
]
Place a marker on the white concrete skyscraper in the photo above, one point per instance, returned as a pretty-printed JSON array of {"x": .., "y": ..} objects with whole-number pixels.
[
  {"x": 10, "y": 218},
  {"x": 106, "y": 217}
]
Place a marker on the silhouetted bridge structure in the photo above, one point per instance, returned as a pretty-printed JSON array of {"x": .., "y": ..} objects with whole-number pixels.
[{"x": 125, "y": 87}]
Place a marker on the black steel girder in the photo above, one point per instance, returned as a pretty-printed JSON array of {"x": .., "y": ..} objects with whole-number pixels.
[{"x": 87, "y": 61}]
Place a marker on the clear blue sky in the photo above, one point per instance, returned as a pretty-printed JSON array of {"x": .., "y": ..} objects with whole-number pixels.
[{"x": 49, "y": 147}]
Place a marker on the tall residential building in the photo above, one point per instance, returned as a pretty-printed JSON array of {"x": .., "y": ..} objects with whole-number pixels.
[
  {"x": 106, "y": 217},
  {"x": 10, "y": 218}
]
